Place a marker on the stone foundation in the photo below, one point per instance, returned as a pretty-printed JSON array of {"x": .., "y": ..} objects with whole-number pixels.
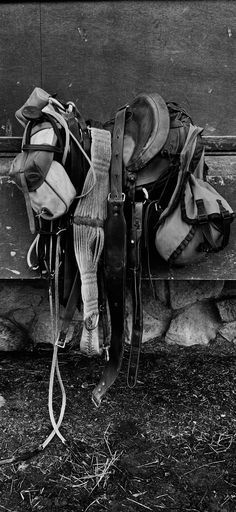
[{"x": 184, "y": 313}]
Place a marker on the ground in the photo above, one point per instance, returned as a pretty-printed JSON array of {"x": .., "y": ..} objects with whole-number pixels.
[{"x": 168, "y": 444}]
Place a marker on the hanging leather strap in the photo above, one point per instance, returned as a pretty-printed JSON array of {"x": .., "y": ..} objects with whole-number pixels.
[
  {"x": 29, "y": 210},
  {"x": 136, "y": 274},
  {"x": 115, "y": 261},
  {"x": 71, "y": 306}
]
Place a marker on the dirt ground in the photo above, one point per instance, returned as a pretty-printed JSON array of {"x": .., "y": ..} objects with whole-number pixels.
[{"x": 169, "y": 444}]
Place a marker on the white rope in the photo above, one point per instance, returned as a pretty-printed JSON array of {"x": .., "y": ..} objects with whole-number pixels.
[
  {"x": 54, "y": 315},
  {"x": 33, "y": 246}
]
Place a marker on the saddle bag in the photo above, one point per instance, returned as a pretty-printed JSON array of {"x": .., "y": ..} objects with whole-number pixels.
[
  {"x": 197, "y": 218},
  {"x": 50, "y": 190},
  {"x": 37, "y": 169},
  {"x": 50, "y": 170}
]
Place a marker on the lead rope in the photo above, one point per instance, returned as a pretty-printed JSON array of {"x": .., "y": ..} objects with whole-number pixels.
[{"x": 55, "y": 319}]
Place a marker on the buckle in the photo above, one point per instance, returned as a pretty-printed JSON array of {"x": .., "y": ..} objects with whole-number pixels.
[
  {"x": 226, "y": 215},
  {"x": 61, "y": 340},
  {"x": 116, "y": 199},
  {"x": 202, "y": 218}
]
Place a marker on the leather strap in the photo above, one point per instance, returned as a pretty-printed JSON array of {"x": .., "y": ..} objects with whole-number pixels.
[
  {"x": 203, "y": 223},
  {"x": 204, "y": 220},
  {"x": 84, "y": 130},
  {"x": 103, "y": 310},
  {"x": 115, "y": 261},
  {"x": 69, "y": 311},
  {"x": 136, "y": 274},
  {"x": 41, "y": 147},
  {"x": 227, "y": 218},
  {"x": 27, "y": 202}
]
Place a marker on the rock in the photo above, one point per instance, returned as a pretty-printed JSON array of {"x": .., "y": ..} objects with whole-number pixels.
[
  {"x": 2, "y": 401},
  {"x": 227, "y": 309},
  {"x": 197, "y": 324},
  {"x": 21, "y": 303},
  {"x": 184, "y": 293},
  {"x": 229, "y": 289},
  {"x": 13, "y": 337},
  {"x": 156, "y": 316},
  {"x": 228, "y": 331},
  {"x": 20, "y": 296},
  {"x": 162, "y": 290},
  {"x": 41, "y": 331},
  {"x": 24, "y": 317}
]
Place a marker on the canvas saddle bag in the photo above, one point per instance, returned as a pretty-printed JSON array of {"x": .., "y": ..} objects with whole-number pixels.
[
  {"x": 197, "y": 219},
  {"x": 39, "y": 170}
]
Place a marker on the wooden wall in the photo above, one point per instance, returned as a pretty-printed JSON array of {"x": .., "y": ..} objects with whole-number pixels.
[{"x": 101, "y": 54}]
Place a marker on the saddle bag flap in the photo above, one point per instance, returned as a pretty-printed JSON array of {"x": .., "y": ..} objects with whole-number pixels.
[
  {"x": 55, "y": 195},
  {"x": 50, "y": 189},
  {"x": 34, "y": 164}
]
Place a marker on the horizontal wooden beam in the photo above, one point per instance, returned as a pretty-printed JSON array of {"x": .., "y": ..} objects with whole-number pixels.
[
  {"x": 213, "y": 144},
  {"x": 10, "y": 144},
  {"x": 220, "y": 144}
]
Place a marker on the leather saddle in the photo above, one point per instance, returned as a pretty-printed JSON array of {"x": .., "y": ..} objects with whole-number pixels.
[
  {"x": 147, "y": 124},
  {"x": 139, "y": 131}
]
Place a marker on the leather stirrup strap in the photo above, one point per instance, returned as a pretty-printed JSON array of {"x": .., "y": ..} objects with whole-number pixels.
[
  {"x": 136, "y": 274},
  {"x": 115, "y": 261}
]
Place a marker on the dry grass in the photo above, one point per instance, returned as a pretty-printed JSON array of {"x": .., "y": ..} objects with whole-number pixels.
[{"x": 167, "y": 445}]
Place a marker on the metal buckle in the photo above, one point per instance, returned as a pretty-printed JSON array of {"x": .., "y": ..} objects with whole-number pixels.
[
  {"x": 226, "y": 215},
  {"x": 116, "y": 199},
  {"x": 202, "y": 218},
  {"x": 61, "y": 340}
]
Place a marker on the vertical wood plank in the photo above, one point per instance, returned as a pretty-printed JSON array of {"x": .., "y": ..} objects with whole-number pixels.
[
  {"x": 101, "y": 54},
  {"x": 20, "y": 60}
]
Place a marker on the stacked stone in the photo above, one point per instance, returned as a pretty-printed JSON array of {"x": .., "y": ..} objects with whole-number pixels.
[{"x": 184, "y": 313}]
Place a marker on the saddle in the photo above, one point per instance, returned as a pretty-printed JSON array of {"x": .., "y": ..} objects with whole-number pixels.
[
  {"x": 139, "y": 131},
  {"x": 116, "y": 179}
]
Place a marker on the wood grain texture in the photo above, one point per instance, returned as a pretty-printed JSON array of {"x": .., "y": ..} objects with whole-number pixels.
[
  {"x": 15, "y": 235},
  {"x": 102, "y": 54},
  {"x": 218, "y": 145},
  {"x": 20, "y": 60},
  {"x": 111, "y": 51}
]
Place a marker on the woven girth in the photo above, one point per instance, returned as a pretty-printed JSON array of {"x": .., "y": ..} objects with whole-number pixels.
[{"x": 89, "y": 218}]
